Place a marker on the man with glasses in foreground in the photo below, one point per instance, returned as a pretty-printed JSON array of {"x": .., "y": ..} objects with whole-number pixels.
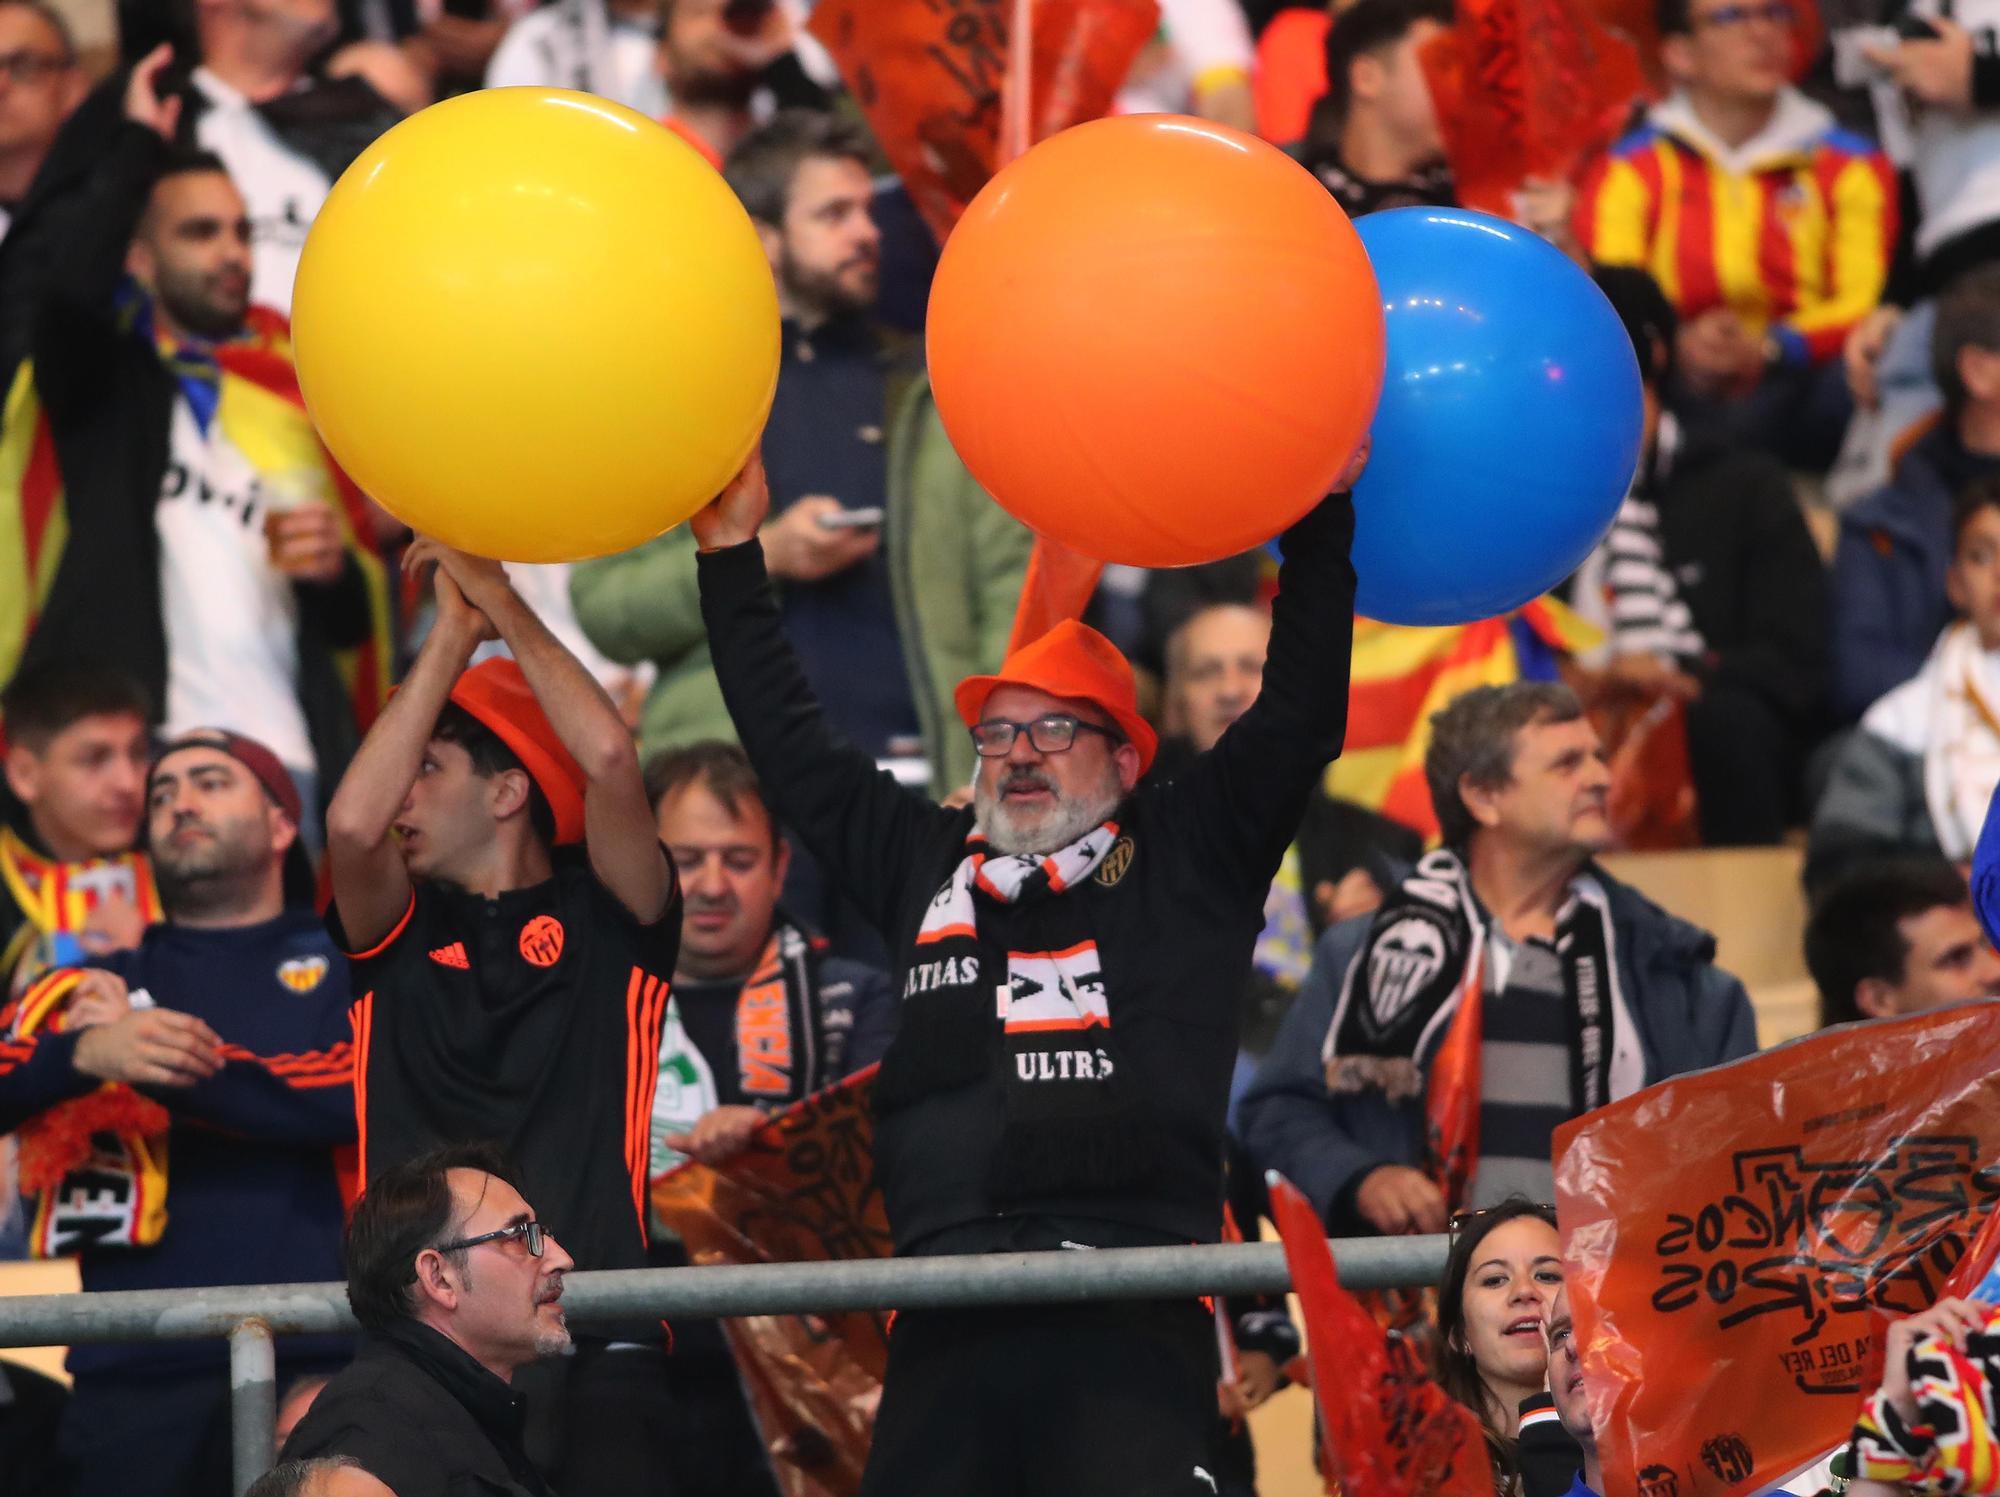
[
  {"x": 1069, "y": 951},
  {"x": 1769, "y": 227},
  {"x": 458, "y": 1287}
]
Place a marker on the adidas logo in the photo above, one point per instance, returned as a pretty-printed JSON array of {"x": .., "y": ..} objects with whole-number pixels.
[{"x": 452, "y": 956}]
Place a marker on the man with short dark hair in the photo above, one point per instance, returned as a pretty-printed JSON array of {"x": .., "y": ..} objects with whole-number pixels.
[
  {"x": 1507, "y": 985},
  {"x": 211, "y": 1159},
  {"x": 71, "y": 884},
  {"x": 329, "y": 1476},
  {"x": 1374, "y": 138},
  {"x": 1897, "y": 937},
  {"x": 42, "y": 85},
  {"x": 899, "y": 575},
  {"x": 214, "y": 550},
  {"x": 458, "y": 1285},
  {"x": 761, "y": 1015},
  {"x": 514, "y": 922},
  {"x": 1889, "y": 598}
]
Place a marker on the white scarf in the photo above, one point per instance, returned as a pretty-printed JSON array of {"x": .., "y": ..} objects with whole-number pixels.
[{"x": 1948, "y": 715}]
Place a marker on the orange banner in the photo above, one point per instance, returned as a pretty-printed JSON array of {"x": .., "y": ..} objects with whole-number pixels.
[
  {"x": 1731, "y": 1235},
  {"x": 803, "y": 1192},
  {"x": 929, "y": 76},
  {"x": 1385, "y": 1428}
]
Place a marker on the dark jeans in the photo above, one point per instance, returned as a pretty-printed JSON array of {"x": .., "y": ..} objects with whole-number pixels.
[
  {"x": 1107, "y": 1400},
  {"x": 638, "y": 1420}
]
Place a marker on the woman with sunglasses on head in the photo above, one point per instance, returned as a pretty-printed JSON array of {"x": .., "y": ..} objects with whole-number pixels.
[{"x": 1502, "y": 1275}]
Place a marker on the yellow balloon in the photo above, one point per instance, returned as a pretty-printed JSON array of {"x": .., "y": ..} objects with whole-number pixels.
[{"x": 536, "y": 325}]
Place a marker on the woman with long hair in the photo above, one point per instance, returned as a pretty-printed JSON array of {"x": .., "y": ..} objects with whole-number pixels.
[{"x": 1500, "y": 1279}]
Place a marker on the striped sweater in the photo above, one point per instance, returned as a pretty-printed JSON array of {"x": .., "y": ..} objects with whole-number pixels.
[{"x": 1793, "y": 230}]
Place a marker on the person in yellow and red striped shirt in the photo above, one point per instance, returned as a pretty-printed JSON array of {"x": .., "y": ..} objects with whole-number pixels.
[{"x": 1770, "y": 228}]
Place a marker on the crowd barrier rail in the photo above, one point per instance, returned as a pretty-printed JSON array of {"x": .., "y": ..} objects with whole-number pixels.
[{"x": 251, "y": 1316}]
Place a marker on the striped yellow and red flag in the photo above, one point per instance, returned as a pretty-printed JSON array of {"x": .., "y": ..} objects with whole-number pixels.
[
  {"x": 1402, "y": 675},
  {"x": 262, "y": 412}
]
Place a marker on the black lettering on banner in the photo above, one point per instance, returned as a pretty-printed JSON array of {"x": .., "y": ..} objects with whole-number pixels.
[
  {"x": 974, "y": 54},
  {"x": 1811, "y": 1240}
]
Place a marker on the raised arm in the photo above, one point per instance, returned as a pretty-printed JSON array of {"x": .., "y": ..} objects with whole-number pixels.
[
  {"x": 625, "y": 851},
  {"x": 1246, "y": 796},
  {"x": 371, "y": 888},
  {"x": 857, "y": 820}
]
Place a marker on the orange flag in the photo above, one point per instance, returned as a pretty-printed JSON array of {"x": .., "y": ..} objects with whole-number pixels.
[
  {"x": 804, "y": 1191},
  {"x": 1385, "y": 1429},
  {"x": 1526, "y": 88},
  {"x": 1731, "y": 1235}
]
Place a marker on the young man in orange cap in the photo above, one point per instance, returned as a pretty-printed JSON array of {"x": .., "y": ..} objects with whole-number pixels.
[
  {"x": 513, "y": 923},
  {"x": 1069, "y": 951}
]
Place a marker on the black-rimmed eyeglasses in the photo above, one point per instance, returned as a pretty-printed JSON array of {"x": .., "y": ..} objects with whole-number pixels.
[
  {"x": 32, "y": 67},
  {"x": 529, "y": 1232},
  {"x": 1054, "y": 734}
]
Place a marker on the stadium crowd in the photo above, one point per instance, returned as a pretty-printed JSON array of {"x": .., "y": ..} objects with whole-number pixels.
[{"x": 308, "y": 981}]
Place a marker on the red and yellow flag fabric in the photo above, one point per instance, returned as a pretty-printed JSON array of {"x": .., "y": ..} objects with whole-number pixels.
[{"x": 1402, "y": 675}]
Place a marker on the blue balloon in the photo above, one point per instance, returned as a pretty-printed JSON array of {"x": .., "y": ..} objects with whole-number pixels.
[{"x": 1510, "y": 421}]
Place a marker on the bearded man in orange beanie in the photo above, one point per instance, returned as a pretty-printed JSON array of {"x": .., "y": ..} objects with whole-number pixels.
[
  {"x": 1069, "y": 950},
  {"x": 512, "y": 923}
]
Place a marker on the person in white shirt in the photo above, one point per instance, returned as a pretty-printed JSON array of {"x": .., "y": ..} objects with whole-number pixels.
[
  {"x": 40, "y": 84},
  {"x": 604, "y": 47}
]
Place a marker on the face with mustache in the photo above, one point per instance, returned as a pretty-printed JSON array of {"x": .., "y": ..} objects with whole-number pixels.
[
  {"x": 192, "y": 253},
  {"x": 500, "y": 1303},
  {"x": 828, "y": 253},
  {"x": 1032, "y": 802},
  {"x": 215, "y": 837},
  {"x": 731, "y": 865},
  {"x": 1556, "y": 795}
]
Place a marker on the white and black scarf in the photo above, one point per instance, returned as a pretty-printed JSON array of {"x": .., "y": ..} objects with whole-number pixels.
[
  {"x": 1427, "y": 949},
  {"x": 1033, "y": 1006}
]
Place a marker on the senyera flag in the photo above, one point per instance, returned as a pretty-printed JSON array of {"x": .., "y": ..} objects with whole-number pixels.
[
  {"x": 1737, "y": 1239},
  {"x": 1385, "y": 1428}
]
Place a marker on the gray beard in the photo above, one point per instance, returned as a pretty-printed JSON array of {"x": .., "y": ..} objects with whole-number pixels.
[{"x": 1040, "y": 833}]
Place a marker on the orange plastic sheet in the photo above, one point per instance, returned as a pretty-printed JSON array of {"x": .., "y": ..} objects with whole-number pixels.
[
  {"x": 1732, "y": 1235},
  {"x": 803, "y": 1192},
  {"x": 1385, "y": 1428}
]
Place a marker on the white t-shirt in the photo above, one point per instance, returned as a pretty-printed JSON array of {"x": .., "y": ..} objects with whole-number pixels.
[
  {"x": 284, "y": 190},
  {"x": 580, "y": 44},
  {"x": 1956, "y": 158},
  {"x": 232, "y": 618}
]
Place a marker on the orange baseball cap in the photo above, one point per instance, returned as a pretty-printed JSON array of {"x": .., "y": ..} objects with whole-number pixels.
[
  {"x": 1071, "y": 660},
  {"x": 495, "y": 692}
]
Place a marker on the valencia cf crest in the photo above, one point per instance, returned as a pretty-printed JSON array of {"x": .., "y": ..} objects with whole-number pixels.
[
  {"x": 1115, "y": 863},
  {"x": 303, "y": 973}
]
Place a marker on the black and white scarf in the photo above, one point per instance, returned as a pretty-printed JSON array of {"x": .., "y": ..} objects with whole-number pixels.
[
  {"x": 1033, "y": 1006},
  {"x": 1426, "y": 951}
]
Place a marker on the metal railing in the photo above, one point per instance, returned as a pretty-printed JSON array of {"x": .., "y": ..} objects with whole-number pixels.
[{"x": 250, "y": 1316}]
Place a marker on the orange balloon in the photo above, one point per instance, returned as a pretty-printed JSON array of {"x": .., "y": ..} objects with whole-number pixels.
[{"x": 1156, "y": 340}]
